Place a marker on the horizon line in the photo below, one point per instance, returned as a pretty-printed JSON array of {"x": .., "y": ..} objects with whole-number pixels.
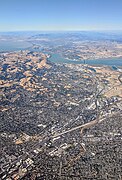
[{"x": 97, "y": 30}]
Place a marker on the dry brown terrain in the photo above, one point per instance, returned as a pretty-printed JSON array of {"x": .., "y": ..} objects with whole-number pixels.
[{"x": 110, "y": 79}]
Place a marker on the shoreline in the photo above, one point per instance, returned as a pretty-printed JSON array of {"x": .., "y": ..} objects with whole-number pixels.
[{"x": 57, "y": 58}]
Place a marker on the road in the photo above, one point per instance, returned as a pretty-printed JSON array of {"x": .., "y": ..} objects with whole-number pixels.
[{"x": 83, "y": 126}]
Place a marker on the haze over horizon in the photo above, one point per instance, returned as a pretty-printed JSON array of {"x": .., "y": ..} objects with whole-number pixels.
[{"x": 56, "y": 15}]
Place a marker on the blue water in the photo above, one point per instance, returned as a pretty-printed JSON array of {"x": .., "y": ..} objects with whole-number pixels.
[
  {"x": 56, "y": 58},
  {"x": 13, "y": 45}
]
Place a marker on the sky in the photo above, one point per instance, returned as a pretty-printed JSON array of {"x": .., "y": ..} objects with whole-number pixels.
[{"x": 60, "y": 15}]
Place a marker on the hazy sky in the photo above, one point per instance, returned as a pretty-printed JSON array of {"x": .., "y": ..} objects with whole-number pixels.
[{"x": 60, "y": 15}]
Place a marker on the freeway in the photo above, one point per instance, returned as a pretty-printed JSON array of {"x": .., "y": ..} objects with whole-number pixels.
[{"x": 84, "y": 126}]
